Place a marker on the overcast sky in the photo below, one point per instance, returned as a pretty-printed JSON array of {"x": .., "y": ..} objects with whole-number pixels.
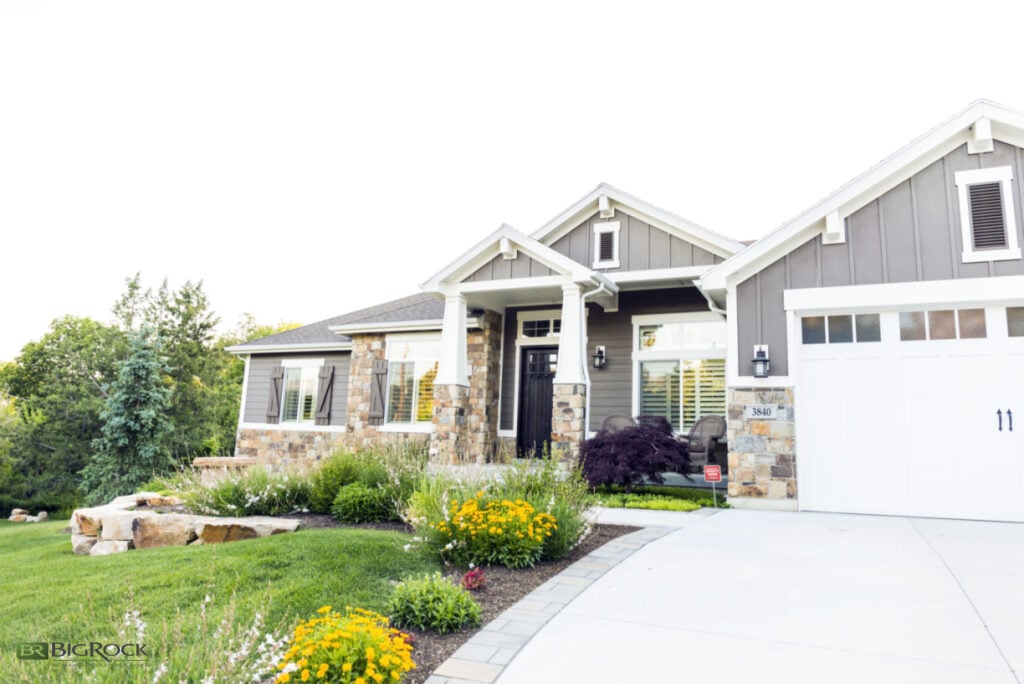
[{"x": 304, "y": 159}]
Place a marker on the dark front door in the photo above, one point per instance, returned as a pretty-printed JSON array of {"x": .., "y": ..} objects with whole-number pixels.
[{"x": 537, "y": 369}]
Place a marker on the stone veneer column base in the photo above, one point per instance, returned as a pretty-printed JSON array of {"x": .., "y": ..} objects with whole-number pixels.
[
  {"x": 447, "y": 441},
  {"x": 568, "y": 419},
  {"x": 762, "y": 453}
]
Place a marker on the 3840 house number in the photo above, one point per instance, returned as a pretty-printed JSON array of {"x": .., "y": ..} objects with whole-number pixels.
[{"x": 759, "y": 412}]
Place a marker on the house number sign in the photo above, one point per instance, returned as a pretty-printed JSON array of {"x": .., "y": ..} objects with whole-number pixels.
[{"x": 759, "y": 412}]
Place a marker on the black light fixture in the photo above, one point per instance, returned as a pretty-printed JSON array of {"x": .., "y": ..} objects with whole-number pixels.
[
  {"x": 761, "y": 362},
  {"x": 599, "y": 357}
]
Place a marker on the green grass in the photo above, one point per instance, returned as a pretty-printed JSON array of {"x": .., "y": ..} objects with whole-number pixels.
[
  {"x": 656, "y": 498},
  {"x": 50, "y": 594}
]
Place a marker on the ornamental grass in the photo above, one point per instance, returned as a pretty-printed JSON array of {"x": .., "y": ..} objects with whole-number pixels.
[{"x": 359, "y": 647}]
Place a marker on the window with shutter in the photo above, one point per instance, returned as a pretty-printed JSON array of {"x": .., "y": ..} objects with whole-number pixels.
[
  {"x": 987, "y": 221},
  {"x": 274, "y": 399},
  {"x": 324, "y": 392},
  {"x": 606, "y": 245},
  {"x": 299, "y": 390},
  {"x": 681, "y": 367},
  {"x": 412, "y": 367}
]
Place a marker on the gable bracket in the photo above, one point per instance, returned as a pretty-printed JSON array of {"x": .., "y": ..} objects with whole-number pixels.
[
  {"x": 835, "y": 229},
  {"x": 980, "y": 139}
]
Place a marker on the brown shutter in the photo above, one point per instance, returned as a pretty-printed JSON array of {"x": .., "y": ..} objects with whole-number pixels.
[
  {"x": 274, "y": 399},
  {"x": 378, "y": 390},
  {"x": 323, "y": 395}
]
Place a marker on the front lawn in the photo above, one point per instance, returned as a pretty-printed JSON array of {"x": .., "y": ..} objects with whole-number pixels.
[{"x": 197, "y": 609}]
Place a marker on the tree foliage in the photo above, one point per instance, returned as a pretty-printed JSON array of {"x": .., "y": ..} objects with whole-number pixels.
[
  {"x": 133, "y": 446},
  {"x": 628, "y": 456}
]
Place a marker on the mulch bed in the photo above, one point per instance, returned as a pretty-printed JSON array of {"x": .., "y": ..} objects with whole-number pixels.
[{"x": 504, "y": 588}]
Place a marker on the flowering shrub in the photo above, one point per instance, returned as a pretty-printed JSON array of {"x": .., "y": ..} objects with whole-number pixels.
[
  {"x": 433, "y": 602},
  {"x": 511, "y": 533},
  {"x": 359, "y": 647},
  {"x": 474, "y": 579},
  {"x": 255, "y": 491}
]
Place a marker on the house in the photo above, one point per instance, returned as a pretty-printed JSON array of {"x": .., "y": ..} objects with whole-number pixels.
[{"x": 890, "y": 315}]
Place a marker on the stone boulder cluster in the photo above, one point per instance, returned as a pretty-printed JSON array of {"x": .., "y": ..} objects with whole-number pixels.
[
  {"x": 21, "y": 515},
  {"x": 137, "y": 522}
]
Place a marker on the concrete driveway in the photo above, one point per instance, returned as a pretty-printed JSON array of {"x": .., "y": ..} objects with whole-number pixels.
[{"x": 752, "y": 596}]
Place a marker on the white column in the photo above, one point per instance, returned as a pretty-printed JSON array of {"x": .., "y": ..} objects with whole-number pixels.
[
  {"x": 570, "y": 341},
  {"x": 452, "y": 369}
]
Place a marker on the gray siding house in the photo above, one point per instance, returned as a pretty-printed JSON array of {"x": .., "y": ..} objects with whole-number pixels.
[{"x": 891, "y": 315}]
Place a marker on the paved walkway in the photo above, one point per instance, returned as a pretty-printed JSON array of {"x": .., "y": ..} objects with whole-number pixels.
[{"x": 739, "y": 596}]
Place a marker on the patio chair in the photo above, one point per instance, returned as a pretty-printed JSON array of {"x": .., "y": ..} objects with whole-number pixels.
[
  {"x": 702, "y": 442},
  {"x": 616, "y": 422}
]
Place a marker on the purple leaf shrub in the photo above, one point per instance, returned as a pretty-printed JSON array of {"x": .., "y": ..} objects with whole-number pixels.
[{"x": 628, "y": 456}]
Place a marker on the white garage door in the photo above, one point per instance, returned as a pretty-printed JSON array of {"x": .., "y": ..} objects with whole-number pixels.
[{"x": 912, "y": 413}]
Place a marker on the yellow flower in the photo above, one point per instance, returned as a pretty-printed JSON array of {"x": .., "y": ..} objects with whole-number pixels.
[
  {"x": 346, "y": 667},
  {"x": 284, "y": 677},
  {"x": 305, "y": 675},
  {"x": 325, "y": 609},
  {"x": 360, "y": 680},
  {"x": 370, "y": 653}
]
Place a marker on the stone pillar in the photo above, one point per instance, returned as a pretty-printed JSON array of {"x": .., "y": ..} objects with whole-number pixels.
[
  {"x": 762, "y": 452},
  {"x": 365, "y": 349},
  {"x": 448, "y": 442},
  {"x": 568, "y": 419}
]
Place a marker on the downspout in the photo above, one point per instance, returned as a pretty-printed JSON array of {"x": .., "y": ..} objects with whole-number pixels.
[
  {"x": 584, "y": 339},
  {"x": 714, "y": 308}
]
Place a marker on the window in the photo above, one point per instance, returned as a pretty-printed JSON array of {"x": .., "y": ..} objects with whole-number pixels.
[
  {"x": 412, "y": 367},
  {"x": 681, "y": 368},
  {"x": 298, "y": 401},
  {"x": 606, "y": 245},
  {"x": 1015, "y": 321},
  {"x": 840, "y": 329},
  {"x": 539, "y": 324},
  {"x": 943, "y": 324},
  {"x": 987, "y": 222}
]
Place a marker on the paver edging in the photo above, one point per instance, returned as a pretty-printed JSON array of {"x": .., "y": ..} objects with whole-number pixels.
[{"x": 483, "y": 658}]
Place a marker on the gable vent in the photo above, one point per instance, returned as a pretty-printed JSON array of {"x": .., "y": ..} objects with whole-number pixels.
[
  {"x": 987, "y": 225},
  {"x": 606, "y": 248}
]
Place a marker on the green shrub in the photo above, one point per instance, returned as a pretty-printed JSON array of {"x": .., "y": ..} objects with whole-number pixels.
[
  {"x": 433, "y": 602},
  {"x": 255, "y": 491},
  {"x": 335, "y": 472},
  {"x": 358, "y": 503}
]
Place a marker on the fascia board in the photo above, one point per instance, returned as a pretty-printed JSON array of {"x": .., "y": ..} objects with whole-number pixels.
[
  {"x": 864, "y": 188},
  {"x": 242, "y": 349},
  {"x": 472, "y": 258},
  {"x": 682, "y": 273},
  {"x": 396, "y": 326}
]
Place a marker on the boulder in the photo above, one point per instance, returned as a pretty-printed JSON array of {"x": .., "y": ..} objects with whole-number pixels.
[
  {"x": 82, "y": 544},
  {"x": 43, "y": 516},
  {"x": 18, "y": 511},
  {"x": 118, "y": 524},
  {"x": 220, "y": 530},
  {"x": 105, "y": 548},
  {"x": 158, "y": 500},
  {"x": 127, "y": 501},
  {"x": 163, "y": 530},
  {"x": 18, "y": 517},
  {"x": 86, "y": 521}
]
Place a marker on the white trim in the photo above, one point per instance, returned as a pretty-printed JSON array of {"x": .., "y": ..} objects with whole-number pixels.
[
  {"x": 506, "y": 433},
  {"x": 612, "y": 228},
  {"x": 245, "y": 391},
  {"x": 655, "y": 274},
  {"x": 506, "y": 284},
  {"x": 964, "y": 179},
  {"x": 392, "y": 326},
  {"x": 417, "y": 428},
  {"x": 835, "y": 229},
  {"x": 453, "y": 368},
  {"x": 239, "y": 349},
  {"x": 981, "y": 137},
  {"x": 965, "y": 292},
  {"x": 538, "y": 315},
  {"x": 304, "y": 364},
  {"x": 570, "y": 355},
  {"x": 1007, "y": 123},
  {"x": 299, "y": 427},
  {"x": 690, "y": 317}
]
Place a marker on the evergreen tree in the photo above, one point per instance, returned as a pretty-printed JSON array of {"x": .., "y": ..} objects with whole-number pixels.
[{"x": 135, "y": 427}]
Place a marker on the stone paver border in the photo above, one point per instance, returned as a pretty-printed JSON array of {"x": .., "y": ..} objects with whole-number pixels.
[{"x": 482, "y": 659}]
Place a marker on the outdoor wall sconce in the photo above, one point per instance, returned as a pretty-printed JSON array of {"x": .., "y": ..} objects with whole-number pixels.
[
  {"x": 761, "y": 361},
  {"x": 599, "y": 357}
]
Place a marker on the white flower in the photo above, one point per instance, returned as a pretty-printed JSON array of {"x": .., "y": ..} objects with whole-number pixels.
[{"x": 160, "y": 672}]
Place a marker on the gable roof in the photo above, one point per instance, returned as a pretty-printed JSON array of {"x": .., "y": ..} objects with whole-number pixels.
[
  {"x": 321, "y": 336},
  {"x": 673, "y": 224},
  {"x": 979, "y": 123}
]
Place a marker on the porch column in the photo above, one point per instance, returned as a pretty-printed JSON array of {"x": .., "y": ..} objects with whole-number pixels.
[
  {"x": 569, "y": 401},
  {"x": 451, "y": 386}
]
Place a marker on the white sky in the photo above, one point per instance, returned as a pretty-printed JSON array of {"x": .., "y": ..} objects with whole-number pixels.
[{"x": 305, "y": 159}]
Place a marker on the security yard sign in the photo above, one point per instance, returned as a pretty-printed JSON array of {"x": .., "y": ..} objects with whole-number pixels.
[{"x": 712, "y": 473}]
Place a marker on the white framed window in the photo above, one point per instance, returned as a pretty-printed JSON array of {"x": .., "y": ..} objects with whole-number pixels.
[
  {"x": 537, "y": 326},
  {"x": 606, "y": 244},
  {"x": 412, "y": 367},
  {"x": 679, "y": 367},
  {"x": 987, "y": 222},
  {"x": 298, "y": 394}
]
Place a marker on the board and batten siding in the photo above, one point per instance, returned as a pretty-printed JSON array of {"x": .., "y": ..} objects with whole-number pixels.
[
  {"x": 500, "y": 268},
  {"x": 910, "y": 233},
  {"x": 260, "y": 366},
  {"x": 641, "y": 246},
  {"x": 611, "y": 387}
]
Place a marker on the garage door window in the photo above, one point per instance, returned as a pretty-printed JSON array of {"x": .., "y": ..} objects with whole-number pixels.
[
  {"x": 1015, "y": 320},
  {"x": 943, "y": 324},
  {"x": 840, "y": 329}
]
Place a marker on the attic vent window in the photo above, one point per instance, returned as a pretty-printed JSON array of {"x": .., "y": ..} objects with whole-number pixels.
[
  {"x": 987, "y": 221},
  {"x": 606, "y": 245}
]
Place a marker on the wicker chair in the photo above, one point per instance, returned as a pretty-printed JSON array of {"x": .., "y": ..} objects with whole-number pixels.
[
  {"x": 702, "y": 442},
  {"x": 616, "y": 422}
]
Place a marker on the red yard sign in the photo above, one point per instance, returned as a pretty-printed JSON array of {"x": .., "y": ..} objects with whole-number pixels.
[{"x": 712, "y": 473}]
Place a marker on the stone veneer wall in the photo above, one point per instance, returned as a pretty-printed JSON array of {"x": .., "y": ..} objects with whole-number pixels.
[
  {"x": 365, "y": 350},
  {"x": 568, "y": 419},
  {"x": 289, "y": 448},
  {"x": 466, "y": 419},
  {"x": 762, "y": 453}
]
